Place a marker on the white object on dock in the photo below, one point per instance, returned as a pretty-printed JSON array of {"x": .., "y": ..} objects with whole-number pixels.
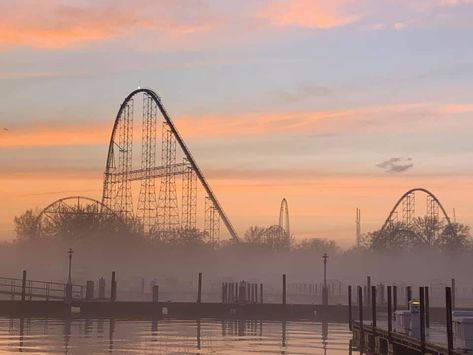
[
  {"x": 408, "y": 321},
  {"x": 463, "y": 330}
]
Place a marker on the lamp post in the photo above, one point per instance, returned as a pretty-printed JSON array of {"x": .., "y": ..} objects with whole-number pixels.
[
  {"x": 324, "y": 289},
  {"x": 69, "y": 278}
]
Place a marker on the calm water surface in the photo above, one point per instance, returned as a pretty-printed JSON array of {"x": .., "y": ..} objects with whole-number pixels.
[{"x": 205, "y": 336}]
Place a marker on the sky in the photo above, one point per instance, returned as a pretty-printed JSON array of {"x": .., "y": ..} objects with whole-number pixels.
[{"x": 335, "y": 105}]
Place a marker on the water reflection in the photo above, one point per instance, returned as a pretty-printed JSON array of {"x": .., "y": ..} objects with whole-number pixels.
[{"x": 201, "y": 336}]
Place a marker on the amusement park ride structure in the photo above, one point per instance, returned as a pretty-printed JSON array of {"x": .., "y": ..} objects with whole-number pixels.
[{"x": 146, "y": 147}]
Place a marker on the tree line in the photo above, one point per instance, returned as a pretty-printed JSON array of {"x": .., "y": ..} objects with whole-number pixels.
[{"x": 88, "y": 226}]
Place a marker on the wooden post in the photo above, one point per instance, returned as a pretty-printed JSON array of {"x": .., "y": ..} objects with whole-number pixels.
[
  {"x": 368, "y": 290},
  {"x": 453, "y": 294},
  {"x": 394, "y": 299},
  {"x": 23, "y": 287},
  {"x": 448, "y": 304},
  {"x": 230, "y": 293},
  {"x": 256, "y": 293},
  {"x": 89, "y": 290},
  {"x": 390, "y": 312},
  {"x": 349, "y": 309},
  {"x": 422, "y": 318},
  {"x": 223, "y": 292},
  {"x": 373, "y": 312},
  {"x": 101, "y": 288},
  {"x": 155, "y": 293},
  {"x": 284, "y": 289},
  {"x": 113, "y": 289},
  {"x": 199, "y": 289},
  {"x": 360, "y": 316},
  {"x": 261, "y": 293},
  {"x": 408, "y": 296},
  {"x": 427, "y": 307}
]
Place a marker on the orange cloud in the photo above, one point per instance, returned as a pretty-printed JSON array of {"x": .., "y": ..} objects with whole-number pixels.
[
  {"x": 366, "y": 119},
  {"x": 309, "y": 13},
  {"x": 55, "y": 136},
  {"x": 58, "y": 24}
]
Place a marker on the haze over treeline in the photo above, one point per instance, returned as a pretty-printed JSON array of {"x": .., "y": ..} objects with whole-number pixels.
[{"x": 424, "y": 250}]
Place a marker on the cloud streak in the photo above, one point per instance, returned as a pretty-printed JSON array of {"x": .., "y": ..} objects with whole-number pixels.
[
  {"x": 62, "y": 24},
  {"x": 396, "y": 165},
  {"x": 392, "y": 118},
  {"x": 308, "y": 13}
]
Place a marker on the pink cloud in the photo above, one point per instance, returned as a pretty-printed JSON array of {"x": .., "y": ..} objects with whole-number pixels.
[
  {"x": 408, "y": 117},
  {"x": 309, "y": 13},
  {"x": 59, "y": 24}
]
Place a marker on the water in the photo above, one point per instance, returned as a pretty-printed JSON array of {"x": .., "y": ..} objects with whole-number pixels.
[{"x": 168, "y": 336}]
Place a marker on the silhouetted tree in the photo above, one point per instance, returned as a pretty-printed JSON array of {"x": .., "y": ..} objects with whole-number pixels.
[
  {"x": 423, "y": 232},
  {"x": 269, "y": 238},
  {"x": 26, "y": 226},
  {"x": 318, "y": 245}
]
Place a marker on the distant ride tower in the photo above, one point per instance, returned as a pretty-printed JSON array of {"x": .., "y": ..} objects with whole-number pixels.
[
  {"x": 284, "y": 217},
  {"x": 358, "y": 227}
]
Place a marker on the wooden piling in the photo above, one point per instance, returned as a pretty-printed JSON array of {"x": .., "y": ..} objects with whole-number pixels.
[
  {"x": 113, "y": 288},
  {"x": 23, "y": 287},
  {"x": 427, "y": 307},
  {"x": 422, "y": 318},
  {"x": 448, "y": 307},
  {"x": 390, "y": 311},
  {"x": 360, "y": 316},
  {"x": 101, "y": 288},
  {"x": 89, "y": 290},
  {"x": 155, "y": 293},
  {"x": 261, "y": 293},
  {"x": 368, "y": 291},
  {"x": 394, "y": 299},
  {"x": 256, "y": 293},
  {"x": 408, "y": 296},
  {"x": 350, "y": 317},
  {"x": 373, "y": 312},
  {"x": 284, "y": 289},
  {"x": 453, "y": 293},
  {"x": 199, "y": 289}
]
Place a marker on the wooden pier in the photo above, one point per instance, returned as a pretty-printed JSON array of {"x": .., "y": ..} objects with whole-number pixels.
[{"x": 381, "y": 341}]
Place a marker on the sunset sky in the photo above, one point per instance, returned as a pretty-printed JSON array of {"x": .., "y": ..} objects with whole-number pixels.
[{"x": 332, "y": 104}]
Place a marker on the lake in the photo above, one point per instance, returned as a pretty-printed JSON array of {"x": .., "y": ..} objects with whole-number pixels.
[{"x": 171, "y": 336}]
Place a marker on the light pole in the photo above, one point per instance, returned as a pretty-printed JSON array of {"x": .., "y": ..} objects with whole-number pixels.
[
  {"x": 324, "y": 289},
  {"x": 69, "y": 279}
]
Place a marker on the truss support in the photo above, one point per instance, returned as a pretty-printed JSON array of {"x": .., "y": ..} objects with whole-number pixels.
[
  {"x": 408, "y": 208},
  {"x": 212, "y": 221},
  {"x": 147, "y": 199},
  {"x": 168, "y": 212},
  {"x": 189, "y": 198}
]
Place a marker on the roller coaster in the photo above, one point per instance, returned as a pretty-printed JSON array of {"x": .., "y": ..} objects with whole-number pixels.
[{"x": 146, "y": 149}]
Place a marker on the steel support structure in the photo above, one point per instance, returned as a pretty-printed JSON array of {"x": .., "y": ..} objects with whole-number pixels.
[
  {"x": 432, "y": 209},
  {"x": 168, "y": 212},
  {"x": 189, "y": 198},
  {"x": 211, "y": 221},
  {"x": 162, "y": 212},
  {"x": 409, "y": 208},
  {"x": 117, "y": 187},
  {"x": 147, "y": 205}
]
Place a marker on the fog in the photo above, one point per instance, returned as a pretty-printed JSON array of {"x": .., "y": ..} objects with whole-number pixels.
[{"x": 139, "y": 263}]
